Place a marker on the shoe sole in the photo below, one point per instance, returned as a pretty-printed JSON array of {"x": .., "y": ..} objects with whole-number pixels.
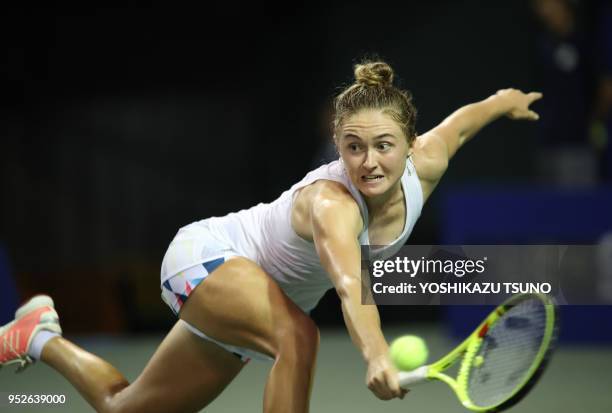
[
  {"x": 48, "y": 321},
  {"x": 34, "y": 303}
]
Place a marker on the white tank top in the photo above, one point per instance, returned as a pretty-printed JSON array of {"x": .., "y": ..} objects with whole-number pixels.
[{"x": 264, "y": 234}]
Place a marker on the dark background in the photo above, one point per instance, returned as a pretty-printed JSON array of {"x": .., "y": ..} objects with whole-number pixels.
[{"x": 120, "y": 125}]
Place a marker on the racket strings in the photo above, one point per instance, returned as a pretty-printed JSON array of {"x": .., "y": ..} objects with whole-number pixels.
[{"x": 506, "y": 357}]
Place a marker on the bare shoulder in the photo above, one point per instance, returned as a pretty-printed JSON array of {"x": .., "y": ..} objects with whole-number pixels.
[
  {"x": 430, "y": 156},
  {"x": 325, "y": 193},
  {"x": 331, "y": 190},
  {"x": 323, "y": 200}
]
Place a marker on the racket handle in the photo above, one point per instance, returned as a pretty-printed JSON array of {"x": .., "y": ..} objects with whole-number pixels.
[{"x": 409, "y": 378}]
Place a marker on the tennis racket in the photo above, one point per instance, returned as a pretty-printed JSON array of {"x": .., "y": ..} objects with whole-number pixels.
[{"x": 502, "y": 359}]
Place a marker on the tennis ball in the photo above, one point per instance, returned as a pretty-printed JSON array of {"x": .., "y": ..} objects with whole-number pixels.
[{"x": 408, "y": 352}]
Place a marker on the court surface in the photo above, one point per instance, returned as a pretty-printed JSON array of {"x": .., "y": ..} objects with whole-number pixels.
[{"x": 579, "y": 378}]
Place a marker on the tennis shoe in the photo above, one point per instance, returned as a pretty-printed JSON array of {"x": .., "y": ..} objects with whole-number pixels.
[{"x": 16, "y": 337}]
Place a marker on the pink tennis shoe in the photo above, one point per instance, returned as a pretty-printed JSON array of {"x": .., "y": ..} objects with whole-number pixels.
[{"x": 16, "y": 337}]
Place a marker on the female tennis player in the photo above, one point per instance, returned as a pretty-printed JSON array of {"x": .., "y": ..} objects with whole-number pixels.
[{"x": 242, "y": 285}]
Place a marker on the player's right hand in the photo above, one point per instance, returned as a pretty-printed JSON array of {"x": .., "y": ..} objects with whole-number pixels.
[{"x": 382, "y": 379}]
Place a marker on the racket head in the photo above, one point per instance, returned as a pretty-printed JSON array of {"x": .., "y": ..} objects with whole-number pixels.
[{"x": 507, "y": 354}]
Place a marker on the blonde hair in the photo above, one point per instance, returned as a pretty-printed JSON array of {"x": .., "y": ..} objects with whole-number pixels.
[{"x": 373, "y": 89}]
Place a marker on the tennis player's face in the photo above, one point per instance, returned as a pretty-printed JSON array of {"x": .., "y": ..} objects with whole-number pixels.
[{"x": 374, "y": 150}]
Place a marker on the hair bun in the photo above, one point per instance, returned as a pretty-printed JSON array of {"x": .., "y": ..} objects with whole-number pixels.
[{"x": 377, "y": 74}]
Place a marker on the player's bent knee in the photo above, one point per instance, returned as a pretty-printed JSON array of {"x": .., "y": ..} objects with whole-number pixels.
[{"x": 300, "y": 338}]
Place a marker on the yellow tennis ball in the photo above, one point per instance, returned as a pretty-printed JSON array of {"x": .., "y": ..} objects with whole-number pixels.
[{"x": 408, "y": 352}]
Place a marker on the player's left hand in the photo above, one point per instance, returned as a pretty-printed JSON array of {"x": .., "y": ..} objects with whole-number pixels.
[{"x": 517, "y": 103}]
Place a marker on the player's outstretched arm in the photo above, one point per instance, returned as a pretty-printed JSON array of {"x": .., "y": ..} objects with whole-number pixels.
[
  {"x": 336, "y": 224},
  {"x": 465, "y": 122},
  {"x": 435, "y": 148}
]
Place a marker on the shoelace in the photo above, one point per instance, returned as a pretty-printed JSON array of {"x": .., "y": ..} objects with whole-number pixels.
[{"x": 23, "y": 360}]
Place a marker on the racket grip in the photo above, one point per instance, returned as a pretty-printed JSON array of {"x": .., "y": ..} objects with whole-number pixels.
[{"x": 409, "y": 378}]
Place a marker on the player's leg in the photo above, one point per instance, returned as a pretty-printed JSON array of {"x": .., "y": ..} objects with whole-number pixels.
[
  {"x": 237, "y": 304},
  {"x": 240, "y": 305},
  {"x": 185, "y": 373}
]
